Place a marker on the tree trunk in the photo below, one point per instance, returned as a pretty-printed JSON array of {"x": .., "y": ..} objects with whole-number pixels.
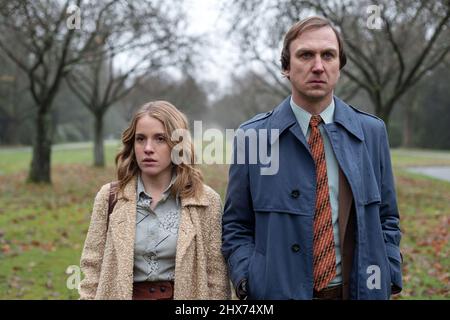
[
  {"x": 42, "y": 147},
  {"x": 407, "y": 126},
  {"x": 383, "y": 113},
  {"x": 99, "y": 154}
]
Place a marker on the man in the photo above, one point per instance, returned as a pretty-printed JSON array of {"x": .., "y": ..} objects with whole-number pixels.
[{"x": 326, "y": 225}]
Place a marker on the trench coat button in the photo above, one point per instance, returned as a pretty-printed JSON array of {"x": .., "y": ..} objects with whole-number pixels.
[
  {"x": 151, "y": 289},
  {"x": 295, "y": 247},
  {"x": 162, "y": 288},
  {"x": 295, "y": 194}
]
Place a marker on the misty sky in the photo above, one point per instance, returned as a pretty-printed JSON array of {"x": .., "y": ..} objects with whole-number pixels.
[{"x": 221, "y": 55}]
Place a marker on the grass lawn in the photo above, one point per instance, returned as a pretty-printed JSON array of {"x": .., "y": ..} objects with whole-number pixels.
[{"x": 42, "y": 228}]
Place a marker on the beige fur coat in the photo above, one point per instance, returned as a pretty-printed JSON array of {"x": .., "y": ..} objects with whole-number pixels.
[{"x": 107, "y": 258}]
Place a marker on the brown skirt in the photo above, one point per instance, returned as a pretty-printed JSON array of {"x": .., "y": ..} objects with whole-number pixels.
[{"x": 153, "y": 290}]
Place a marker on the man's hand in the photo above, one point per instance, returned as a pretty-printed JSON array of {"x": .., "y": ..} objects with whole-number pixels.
[{"x": 241, "y": 291}]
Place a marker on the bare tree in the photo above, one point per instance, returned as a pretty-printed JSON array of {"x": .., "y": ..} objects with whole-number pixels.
[
  {"x": 52, "y": 47},
  {"x": 35, "y": 27},
  {"x": 15, "y": 107},
  {"x": 40, "y": 28},
  {"x": 248, "y": 96},
  {"x": 185, "y": 93},
  {"x": 152, "y": 86},
  {"x": 414, "y": 37},
  {"x": 157, "y": 41}
]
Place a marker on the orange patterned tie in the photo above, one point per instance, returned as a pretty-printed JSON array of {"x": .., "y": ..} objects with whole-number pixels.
[{"x": 324, "y": 253}]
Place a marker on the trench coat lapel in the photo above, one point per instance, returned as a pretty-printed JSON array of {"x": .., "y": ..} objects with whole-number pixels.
[{"x": 345, "y": 202}]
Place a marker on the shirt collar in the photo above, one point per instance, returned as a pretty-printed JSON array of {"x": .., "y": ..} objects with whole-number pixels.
[
  {"x": 303, "y": 117},
  {"x": 141, "y": 189}
]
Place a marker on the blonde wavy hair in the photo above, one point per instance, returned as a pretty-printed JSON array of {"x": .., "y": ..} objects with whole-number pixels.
[{"x": 189, "y": 180}]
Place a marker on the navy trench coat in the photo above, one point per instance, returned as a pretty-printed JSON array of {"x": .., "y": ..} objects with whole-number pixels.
[{"x": 263, "y": 219}]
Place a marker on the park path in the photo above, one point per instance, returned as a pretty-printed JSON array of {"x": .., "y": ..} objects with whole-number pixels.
[{"x": 442, "y": 173}]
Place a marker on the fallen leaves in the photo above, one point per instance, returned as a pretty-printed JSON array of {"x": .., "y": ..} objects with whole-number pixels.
[
  {"x": 53, "y": 220},
  {"x": 6, "y": 248}
]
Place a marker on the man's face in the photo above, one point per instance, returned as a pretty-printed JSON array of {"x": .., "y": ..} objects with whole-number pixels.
[{"x": 314, "y": 65}]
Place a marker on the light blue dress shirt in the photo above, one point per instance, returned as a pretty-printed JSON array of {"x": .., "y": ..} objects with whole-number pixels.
[{"x": 303, "y": 117}]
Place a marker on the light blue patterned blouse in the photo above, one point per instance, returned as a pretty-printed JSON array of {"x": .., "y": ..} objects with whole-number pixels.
[{"x": 156, "y": 235}]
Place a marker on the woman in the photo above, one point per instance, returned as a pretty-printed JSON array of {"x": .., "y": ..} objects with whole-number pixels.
[{"x": 162, "y": 239}]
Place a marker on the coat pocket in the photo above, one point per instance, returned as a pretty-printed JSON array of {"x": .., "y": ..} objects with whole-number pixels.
[{"x": 256, "y": 276}]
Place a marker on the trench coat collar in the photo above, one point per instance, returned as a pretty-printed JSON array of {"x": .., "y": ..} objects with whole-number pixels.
[{"x": 283, "y": 117}]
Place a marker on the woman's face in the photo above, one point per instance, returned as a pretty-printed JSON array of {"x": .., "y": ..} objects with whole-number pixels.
[{"x": 150, "y": 146}]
